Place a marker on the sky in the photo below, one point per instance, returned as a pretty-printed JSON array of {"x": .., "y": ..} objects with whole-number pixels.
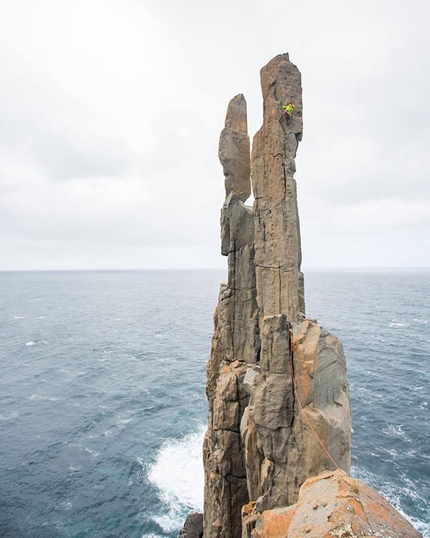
[{"x": 111, "y": 110}]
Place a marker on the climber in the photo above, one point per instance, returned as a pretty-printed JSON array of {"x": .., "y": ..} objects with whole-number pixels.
[{"x": 288, "y": 111}]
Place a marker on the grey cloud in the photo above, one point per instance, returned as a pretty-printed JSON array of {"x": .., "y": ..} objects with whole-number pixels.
[{"x": 108, "y": 146}]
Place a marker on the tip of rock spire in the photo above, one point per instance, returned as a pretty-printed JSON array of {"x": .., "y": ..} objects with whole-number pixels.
[{"x": 236, "y": 118}]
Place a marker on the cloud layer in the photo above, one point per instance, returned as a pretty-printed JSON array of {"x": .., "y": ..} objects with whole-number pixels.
[{"x": 111, "y": 113}]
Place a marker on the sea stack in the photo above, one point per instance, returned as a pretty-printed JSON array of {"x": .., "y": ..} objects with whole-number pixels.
[
  {"x": 277, "y": 450},
  {"x": 277, "y": 387}
]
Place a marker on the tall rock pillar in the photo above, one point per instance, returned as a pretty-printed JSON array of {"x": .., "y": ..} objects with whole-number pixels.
[
  {"x": 277, "y": 231},
  {"x": 297, "y": 423},
  {"x": 277, "y": 387},
  {"x": 235, "y": 341}
]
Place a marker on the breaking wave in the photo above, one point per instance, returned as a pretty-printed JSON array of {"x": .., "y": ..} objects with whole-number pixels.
[{"x": 178, "y": 475}]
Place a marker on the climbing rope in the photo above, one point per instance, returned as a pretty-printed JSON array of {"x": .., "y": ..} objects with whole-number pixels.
[{"x": 301, "y": 407}]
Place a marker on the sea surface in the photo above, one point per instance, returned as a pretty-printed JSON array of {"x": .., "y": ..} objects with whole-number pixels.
[{"x": 102, "y": 402}]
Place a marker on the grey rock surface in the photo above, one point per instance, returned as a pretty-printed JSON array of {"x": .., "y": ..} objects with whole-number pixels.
[
  {"x": 193, "y": 526},
  {"x": 330, "y": 505},
  {"x": 235, "y": 342},
  {"x": 277, "y": 231},
  {"x": 234, "y": 150},
  {"x": 276, "y": 382}
]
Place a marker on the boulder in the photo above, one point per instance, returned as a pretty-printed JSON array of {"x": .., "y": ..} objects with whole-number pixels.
[
  {"x": 331, "y": 505},
  {"x": 193, "y": 526}
]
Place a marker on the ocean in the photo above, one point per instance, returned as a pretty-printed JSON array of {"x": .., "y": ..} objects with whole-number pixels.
[{"x": 103, "y": 406}]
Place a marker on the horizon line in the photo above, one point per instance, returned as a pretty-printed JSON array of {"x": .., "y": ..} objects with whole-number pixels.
[{"x": 304, "y": 270}]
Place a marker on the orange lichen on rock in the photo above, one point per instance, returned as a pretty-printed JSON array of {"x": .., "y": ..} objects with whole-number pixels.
[
  {"x": 275, "y": 523},
  {"x": 334, "y": 505}
]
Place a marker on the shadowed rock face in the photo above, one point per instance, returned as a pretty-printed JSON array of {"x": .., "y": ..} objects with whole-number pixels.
[
  {"x": 235, "y": 342},
  {"x": 261, "y": 440},
  {"x": 233, "y": 150},
  {"x": 193, "y": 526}
]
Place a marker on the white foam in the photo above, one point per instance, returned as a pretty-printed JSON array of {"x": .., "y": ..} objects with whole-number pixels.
[
  {"x": 395, "y": 325},
  {"x": 67, "y": 505},
  {"x": 31, "y": 343},
  {"x": 178, "y": 475},
  {"x": 393, "y": 430},
  {"x": 40, "y": 397},
  {"x": 123, "y": 420},
  {"x": 93, "y": 453}
]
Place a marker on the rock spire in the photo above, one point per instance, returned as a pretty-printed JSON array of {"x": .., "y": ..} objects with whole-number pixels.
[
  {"x": 277, "y": 388},
  {"x": 277, "y": 230}
]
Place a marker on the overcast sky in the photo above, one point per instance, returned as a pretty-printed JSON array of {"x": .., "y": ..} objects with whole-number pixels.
[{"x": 111, "y": 111}]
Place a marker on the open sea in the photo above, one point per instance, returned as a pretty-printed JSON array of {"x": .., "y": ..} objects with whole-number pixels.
[{"x": 103, "y": 406}]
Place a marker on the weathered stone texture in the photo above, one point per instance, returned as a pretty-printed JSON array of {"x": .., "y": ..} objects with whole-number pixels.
[
  {"x": 193, "y": 526},
  {"x": 330, "y": 505},
  {"x": 284, "y": 449},
  {"x": 260, "y": 445},
  {"x": 235, "y": 341},
  {"x": 277, "y": 232},
  {"x": 234, "y": 150}
]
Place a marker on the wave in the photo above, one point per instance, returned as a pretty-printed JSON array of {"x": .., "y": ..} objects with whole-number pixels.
[
  {"x": 40, "y": 397},
  {"x": 178, "y": 476},
  {"x": 396, "y": 325},
  {"x": 394, "y": 431},
  {"x": 36, "y": 342},
  {"x": 93, "y": 453}
]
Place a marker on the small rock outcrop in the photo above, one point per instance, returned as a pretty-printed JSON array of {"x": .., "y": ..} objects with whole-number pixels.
[
  {"x": 331, "y": 505},
  {"x": 277, "y": 387},
  {"x": 193, "y": 526}
]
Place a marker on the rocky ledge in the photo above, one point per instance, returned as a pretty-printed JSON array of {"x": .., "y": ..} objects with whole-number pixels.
[{"x": 331, "y": 505}]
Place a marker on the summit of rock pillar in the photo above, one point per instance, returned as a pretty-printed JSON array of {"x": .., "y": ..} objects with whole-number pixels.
[
  {"x": 236, "y": 117},
  {"x": 234, "y": 150},
  {"x": 278, "y": 253}
]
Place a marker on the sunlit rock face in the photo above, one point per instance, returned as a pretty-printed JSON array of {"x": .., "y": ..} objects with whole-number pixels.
[
  {"x": 277, "y": 387},
  {"x": 330, "y": 505},
  {"x": 277, "y": 229}
]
